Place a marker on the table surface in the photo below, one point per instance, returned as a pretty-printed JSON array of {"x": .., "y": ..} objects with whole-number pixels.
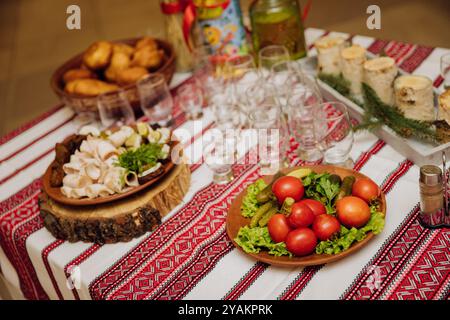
[{"x": 189, "y": 256}]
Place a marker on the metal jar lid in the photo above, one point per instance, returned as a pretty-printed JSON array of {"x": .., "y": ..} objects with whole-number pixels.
[{"x": 430, "y": 175}]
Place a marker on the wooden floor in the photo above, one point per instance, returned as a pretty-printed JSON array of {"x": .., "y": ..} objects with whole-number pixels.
[{"x": 35, "y": 40}]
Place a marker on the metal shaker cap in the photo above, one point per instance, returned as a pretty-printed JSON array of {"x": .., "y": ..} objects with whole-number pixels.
[{"x": 430, "y": 175}]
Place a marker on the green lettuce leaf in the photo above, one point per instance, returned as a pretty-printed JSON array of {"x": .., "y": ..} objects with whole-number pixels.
[
  {"x": 249, "y": 203},
  {"x": 253, "y": 240},
  {"x": 348, "y": 236}
]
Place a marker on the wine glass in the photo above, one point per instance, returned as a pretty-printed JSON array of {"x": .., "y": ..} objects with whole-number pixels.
[
  {"x": 115, "y": 109},
  {"x": 190, "y": 97},
  {"x": 445, "y": 70},
  {"x": 259, "y": 94},
  {"x": 235, "y": 63},
  {"x": 207, "y": 71},
  {"x": 271, "y": 55},
  {"x": 271, "y": 129},
  {"x": 246, "y": 79},
  {"x": 334, "y": 133},
  {"x": 219, "y": 151},
  {"x": 225, "y": 111},
  {"x": 156, "y": 100},
  {"x": 302, "y": 127}
]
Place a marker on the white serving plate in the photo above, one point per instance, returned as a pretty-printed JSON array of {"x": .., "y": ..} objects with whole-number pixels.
[{"x": 419, "y": 152}]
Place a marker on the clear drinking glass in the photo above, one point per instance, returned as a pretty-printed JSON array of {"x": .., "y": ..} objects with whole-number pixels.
[
  {"x": 259, "y": 94},
  {"x": 271, "y": 55},
  {"x": 226, "y": 114},
  {"x": 219, "y": 151},
  {"x": 156, "y": 100},
  {"x": 445, "y": 70},
  {"x": 236, "y": 63},
  {"x": 302, "y": 127},
  {"x": 207, "y": 71},
  {"x": 239, "y": 85},
  {"x": 272, "y": 134},
  {"x": 334, "y": 133},
  {"x": 190, "y": 97},
  {"x": 114, "y": 109}
]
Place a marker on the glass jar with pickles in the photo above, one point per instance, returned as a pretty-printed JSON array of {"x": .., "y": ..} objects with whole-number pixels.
[{"x": 278, "y": 22}]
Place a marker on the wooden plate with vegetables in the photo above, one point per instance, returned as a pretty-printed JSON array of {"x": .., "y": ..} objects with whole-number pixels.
[{"x": 306, "y": 216}]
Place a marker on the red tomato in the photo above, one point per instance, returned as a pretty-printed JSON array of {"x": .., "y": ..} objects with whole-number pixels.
[
  {"x": 325, "y": 226},
  {"x": 316, "y": 206},
  {"x": 286, "y": 187},
  {"x": 301, "y": 242},
  {"x": 278, "y": 228},
  {"x": 353, "y": 212},
  {"x": 301, "y": 216},
  {"x": 365, "y": 189}
]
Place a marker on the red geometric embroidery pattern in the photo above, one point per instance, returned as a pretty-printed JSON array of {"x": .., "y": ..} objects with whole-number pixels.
[{"x": 183, "y": 250}]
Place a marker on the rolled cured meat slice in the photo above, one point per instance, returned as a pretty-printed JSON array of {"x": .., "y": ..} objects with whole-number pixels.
[
  {"x": 131, "y": 179},
  {"x": 76, "y": 181},
  {"x": 115, "y": 179},
  {"x": 106, "y": 150},
  {"x": 98, "y": 190},
  {"x": 93, "y": 171}
]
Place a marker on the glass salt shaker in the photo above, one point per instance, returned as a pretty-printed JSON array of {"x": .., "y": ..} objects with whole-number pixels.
[{"x": 431, "y": 197}]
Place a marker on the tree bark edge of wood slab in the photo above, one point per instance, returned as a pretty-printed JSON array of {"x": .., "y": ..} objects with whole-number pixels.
[{"x": 118, "y": 221}]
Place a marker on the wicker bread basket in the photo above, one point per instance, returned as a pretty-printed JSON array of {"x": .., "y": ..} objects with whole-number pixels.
[{"x": 82, "y": 104}]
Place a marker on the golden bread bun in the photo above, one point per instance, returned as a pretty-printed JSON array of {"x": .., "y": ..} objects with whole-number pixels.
[
  {"x": 130, "y": 75},
  {"x": 89, "y": 87},
  {"x": 119, "y": 61},
  {"x": 147, "y": 42},
  {"x": 74, "y": 74},
  {"x": 123, "y": 48},
  {"x": 146, "y": 57},
  {"x": 98, "y": 55}
]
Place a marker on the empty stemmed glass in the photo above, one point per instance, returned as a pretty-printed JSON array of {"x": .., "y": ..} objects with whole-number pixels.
[
  {"x": 208, "y": 71},
  {"x": 334, "y": 133},
  {"x": 190, "y": 97},
  {"x": 156, "y": 100},
  {"x": 226, "y": 114},
  {"x": 234, "y": 64},
  {"x": 114, "y": 109},
  {"x": 272, "y": 134},
  {"x": 302, "y": 127},
  {"x": 219, "y": 152},
  {"x": 271, "y": 55},
  {"x": 258, "y": 94},
  {"x": 239, "y": 84}
]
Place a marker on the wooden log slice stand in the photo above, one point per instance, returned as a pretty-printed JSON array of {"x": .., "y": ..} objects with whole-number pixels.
[{"x": 117, "y": 221}]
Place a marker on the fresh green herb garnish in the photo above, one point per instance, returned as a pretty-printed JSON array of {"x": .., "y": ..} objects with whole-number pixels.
[
  {"x": 319, "y": 187},
  {"x": 147, "y": 155},
  {"x": 253, "y": 240},
  {"x": 249, "y": 203}
]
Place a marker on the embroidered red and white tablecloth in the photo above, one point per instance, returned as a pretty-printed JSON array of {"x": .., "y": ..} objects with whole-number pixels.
[{"x": 189, "y": 256}]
